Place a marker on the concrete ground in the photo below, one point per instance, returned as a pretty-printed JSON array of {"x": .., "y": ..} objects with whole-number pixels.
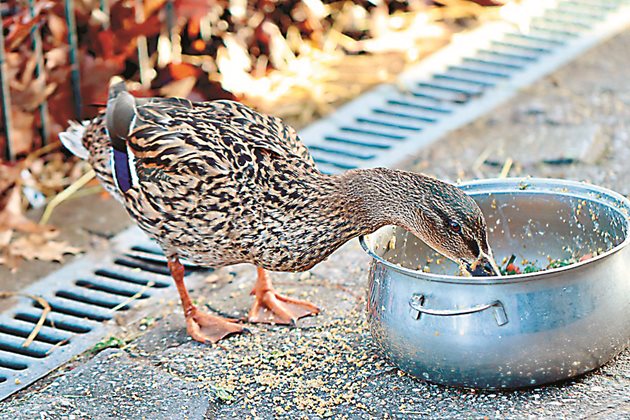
[{"x": 328, "y": 366}]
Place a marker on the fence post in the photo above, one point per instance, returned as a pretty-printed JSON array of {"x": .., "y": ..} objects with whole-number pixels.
[
  {"x": 143, "y": 51},
  {"x": 74, "y": 62},
  {"x": 6, "y": 98},
  {"x": 36, "y": 36}
]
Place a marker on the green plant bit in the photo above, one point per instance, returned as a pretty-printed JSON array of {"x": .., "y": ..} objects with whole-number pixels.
[
  {"x": 509, "y": 268},
  {"x": 106, "y": 343},
  {"x": 530, "y": 268},
  {"x": 561, "y": 263}
]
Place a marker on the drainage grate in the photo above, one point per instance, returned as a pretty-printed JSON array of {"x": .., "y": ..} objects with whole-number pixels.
[
  {"x": 82, "y": 295},
  {"x": 458, "y": 84}
]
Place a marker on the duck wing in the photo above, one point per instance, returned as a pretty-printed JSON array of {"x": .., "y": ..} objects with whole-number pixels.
[{"x": 178, "y": 137}]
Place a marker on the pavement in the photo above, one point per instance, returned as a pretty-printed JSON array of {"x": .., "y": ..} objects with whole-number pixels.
[{"x": 328, "y": 366}]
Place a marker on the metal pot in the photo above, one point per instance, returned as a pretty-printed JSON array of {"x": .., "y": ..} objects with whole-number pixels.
[{"x": 516, "y": 331}]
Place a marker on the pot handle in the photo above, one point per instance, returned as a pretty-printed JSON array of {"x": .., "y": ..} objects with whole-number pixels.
[{"x": 417, "y": 301}]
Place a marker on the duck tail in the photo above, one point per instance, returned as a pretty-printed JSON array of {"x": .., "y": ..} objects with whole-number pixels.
[
  {"x": 72, "y": 138},
  {"x": 116, "y": 86}
]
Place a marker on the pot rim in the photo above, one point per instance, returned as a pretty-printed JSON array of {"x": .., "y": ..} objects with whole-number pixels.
[{"x": 575, "y": 189}]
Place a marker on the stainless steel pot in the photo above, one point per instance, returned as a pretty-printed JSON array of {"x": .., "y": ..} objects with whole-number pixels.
[{"x": 515, "y": 331}]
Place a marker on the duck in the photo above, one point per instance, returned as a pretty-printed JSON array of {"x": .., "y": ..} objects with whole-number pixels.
[{"x": 217, "y": 183}]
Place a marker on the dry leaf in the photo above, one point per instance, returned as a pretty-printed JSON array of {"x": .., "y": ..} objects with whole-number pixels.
[
  {"x": 21, "y": 24},
  {"x": 57, "y": 57},
  {"x": 11, "y": 212},
  {"x": 58, "y": 29},
  {"x": 5, "y": 238},
  {"x": 40, "y": 246},
  {"x": 179, "y": 88},
  {"x": 29, "y": 96},
  {"x": 12, "y": 216},
  {"x": 22, "y": 131}
]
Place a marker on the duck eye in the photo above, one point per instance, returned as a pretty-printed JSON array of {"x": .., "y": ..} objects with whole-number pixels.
[{"x": 455, "y": 227}]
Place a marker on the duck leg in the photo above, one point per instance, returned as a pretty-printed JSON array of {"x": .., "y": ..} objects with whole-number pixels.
[
  {"x": 274, "y": 308},
  {"x": 201, "y": 326}
]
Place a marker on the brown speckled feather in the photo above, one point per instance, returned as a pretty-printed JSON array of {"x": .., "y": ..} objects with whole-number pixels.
[{"x": 219, "y": 184}]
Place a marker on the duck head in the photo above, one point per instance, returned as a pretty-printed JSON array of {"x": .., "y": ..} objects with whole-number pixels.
[
  {"x": 440, "y": 214},
  {"x": 451, "y": 222}
]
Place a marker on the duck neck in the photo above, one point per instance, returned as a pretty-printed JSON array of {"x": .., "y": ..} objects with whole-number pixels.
[{"x": 372, "y": 198}]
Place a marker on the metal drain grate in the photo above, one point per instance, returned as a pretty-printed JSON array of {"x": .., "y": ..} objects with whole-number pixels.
[
  {"x": 82, "y": 295},
  {"x": 461, "y": 82}
]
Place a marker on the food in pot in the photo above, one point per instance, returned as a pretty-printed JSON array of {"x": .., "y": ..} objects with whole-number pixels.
[{"x": 510, "y": 268}]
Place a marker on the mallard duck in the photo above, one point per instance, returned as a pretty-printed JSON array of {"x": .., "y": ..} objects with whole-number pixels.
[{"x": 218, "y": 183}]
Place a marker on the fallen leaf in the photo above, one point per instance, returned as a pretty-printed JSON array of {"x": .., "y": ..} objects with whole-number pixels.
[
  {"x": 11, "y": 214},
  {"x": 5, "y": 238},
  {"x": 57, "y": 27},
  {"x": 152, "y": 6},
  {"x": 22, "y": 131},
  {"x": 21, "y": 24},
  {"x": 56, "y": 57},
  {"x": 31, "y": 95},
  {"x": 183, "y": 70},
  {"x": 40, "y": 246},
  {"x": 179, "y": 88}
]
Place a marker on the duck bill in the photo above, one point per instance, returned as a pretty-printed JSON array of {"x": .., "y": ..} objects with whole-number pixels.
[{"x": 485, "y": 266}]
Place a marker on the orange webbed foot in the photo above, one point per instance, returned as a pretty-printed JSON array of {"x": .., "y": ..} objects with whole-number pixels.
[
  {"x": 203, "y": 327},
  {"x": 273, "y": 308}
]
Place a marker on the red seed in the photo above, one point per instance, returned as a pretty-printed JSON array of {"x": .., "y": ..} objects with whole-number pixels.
[{"x": 511, "y": 268}]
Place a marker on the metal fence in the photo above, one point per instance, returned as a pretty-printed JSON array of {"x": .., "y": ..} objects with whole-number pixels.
[{"x": 8, "y": 154}]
